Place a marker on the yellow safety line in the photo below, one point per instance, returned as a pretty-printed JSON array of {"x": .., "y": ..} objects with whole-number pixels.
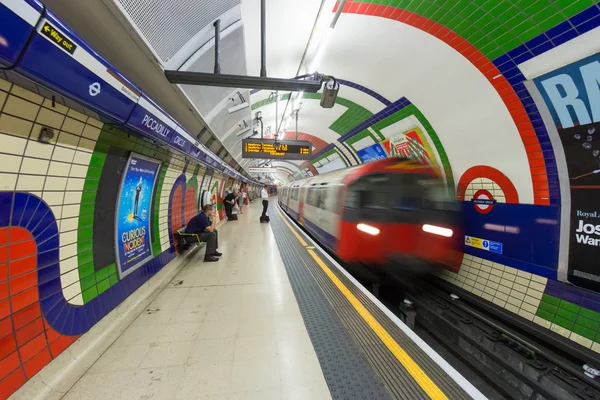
[{"x": 428, "y": 386}]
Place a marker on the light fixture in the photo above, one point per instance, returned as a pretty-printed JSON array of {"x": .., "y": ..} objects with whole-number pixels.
[
  {"x": 239, "y": 107},
  {"x": 371, "y": 230},
  {"x": 438, "y": 230},
  {"x": 244, "y": 104}
]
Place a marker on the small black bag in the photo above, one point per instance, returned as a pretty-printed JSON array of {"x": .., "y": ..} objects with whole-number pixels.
[
  {"x": 264, "y": 218},
  {"x": 233, "y": 217}
]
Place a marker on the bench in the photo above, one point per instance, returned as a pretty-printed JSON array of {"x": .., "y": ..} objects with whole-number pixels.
[{"x": 183, "y": 241}]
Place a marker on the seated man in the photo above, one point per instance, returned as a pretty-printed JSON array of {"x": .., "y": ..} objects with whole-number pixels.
[{"x": 204, "y": 225}]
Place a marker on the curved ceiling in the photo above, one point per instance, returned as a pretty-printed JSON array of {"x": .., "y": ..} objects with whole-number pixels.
[{"x": 443, "y": 80}]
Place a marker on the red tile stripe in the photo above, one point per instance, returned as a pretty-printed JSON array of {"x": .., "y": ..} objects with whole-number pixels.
[
  {"x": 27, "y": 343},
  {"x": 481, "y": 171},
  {"x": 535, "y": 156}
]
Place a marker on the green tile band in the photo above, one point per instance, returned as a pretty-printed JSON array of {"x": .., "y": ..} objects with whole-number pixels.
[{"x": 494, "y": 27}]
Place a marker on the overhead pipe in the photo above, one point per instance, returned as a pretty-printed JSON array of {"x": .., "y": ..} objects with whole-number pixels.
[
  {"x": 217, "y": 25},
  {"x": 337, "y": 14},
  {"x": 263, "y": 36}
]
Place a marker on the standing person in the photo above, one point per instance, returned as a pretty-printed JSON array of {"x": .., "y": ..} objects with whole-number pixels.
[
  {"x": 264, "y": 194},
  {"x": 229, "y": 202},
  {"x": 204, "y": 226},
  {"x": 241, "y": 200}
]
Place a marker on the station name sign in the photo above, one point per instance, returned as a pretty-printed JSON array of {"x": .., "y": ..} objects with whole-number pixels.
[{"x": 277, "y": 149}]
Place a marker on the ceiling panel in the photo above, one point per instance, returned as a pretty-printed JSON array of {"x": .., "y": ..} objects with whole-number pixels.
[{"x": 168, "y": 25}]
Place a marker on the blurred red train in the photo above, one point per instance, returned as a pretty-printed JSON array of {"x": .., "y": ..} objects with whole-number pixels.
[{"x": 388, "y": 217}]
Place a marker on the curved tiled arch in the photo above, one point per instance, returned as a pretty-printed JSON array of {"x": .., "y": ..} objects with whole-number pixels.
[
  {"x": 506, "y": 92},
  {"x": 482, "y": 171}
]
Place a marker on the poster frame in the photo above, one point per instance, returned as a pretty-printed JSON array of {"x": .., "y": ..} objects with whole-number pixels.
[{"x": 123, "y": 274}]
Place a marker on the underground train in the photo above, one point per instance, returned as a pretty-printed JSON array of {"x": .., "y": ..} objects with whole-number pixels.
[{"x": 388, "y": 217}]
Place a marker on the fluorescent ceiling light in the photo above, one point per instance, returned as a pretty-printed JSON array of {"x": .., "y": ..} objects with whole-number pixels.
[
  {"x": 239, "y": 107},
  {"x": 371, "y": 230},
  {"x": 438, "y": 230}
]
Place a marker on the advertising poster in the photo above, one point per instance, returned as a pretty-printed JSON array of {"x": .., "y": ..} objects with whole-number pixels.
[
  {"x": 572, "y": 95},
  {"x": 372, "y": 153},
  {"x": 133, "y": 242}
]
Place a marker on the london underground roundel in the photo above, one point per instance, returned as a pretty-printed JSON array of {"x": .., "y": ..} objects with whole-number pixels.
[{"x": 483, "y": 201}]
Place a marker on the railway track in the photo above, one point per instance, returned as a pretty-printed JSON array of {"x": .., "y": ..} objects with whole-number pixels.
[{"x": 513, "y": 359}]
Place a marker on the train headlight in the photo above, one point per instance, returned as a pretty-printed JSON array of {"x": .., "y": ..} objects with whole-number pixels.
[
  {"x": 438, "y": 230},
  {"x": 371, "y": 230}
]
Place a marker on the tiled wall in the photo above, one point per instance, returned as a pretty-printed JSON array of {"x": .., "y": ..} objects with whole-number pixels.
[{"x": 53, "y": 285}]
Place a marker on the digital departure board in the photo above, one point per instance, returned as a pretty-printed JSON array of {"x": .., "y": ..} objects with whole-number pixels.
[{"x": 276, "y": 149}]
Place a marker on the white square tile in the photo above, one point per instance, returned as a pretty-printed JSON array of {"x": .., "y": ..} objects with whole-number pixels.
[
  {"x": 30, "y": 182},
  {"x": 39, "y": 150},
  {"x": 8, "y": 181},
  {"x": 72, "y": 197},
  {"x": 59, "y": 168},
  {"x": 10, "y": 163},
  {"x": 34, "y": 166},
  {"x": 70, "y": 211},
  {"x": 72, "y": 291},
  {"x": 86, "y": 145},
  {"x": 53, "y": 198},
  {"x": 12, "y": 144},
  {"x": 68, "y": 224},
  {"x": 77, "y": 115},
  {"x": 55, "y": 183},
  {"x": 51, "y": 119},
  {"x": 57, "y": 107},
  {"x": 68, "y": 251},
  {"x": 82, "y": 157},
  {"x": 68, "y": 140},
  {"x": 68, "y": 238},
  {"x": 73, "y": 126},
  {"x": 75, "y": 184},
  {"x": 69, "y": 278},
  {"x": 69, "y": 264},
  {"x": 95, "y": 122},
  {"x": 78, "y": 171},
  {"x": 21, "y": 108},
  {"x": 63, "y": 154},
  {"x": 91, "y": 132}
]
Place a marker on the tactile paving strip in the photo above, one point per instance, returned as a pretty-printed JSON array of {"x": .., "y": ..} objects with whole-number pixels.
[
  {"x": 347, "y": 373},
  {"x": 397, "y": 380}
]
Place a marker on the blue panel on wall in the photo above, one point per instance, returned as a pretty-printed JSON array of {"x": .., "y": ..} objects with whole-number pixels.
[
  {"x": 60, "y": 60},
  {"x": 16, "y": 28},
  {"x": 148, "y": 119},
  {"x": 529, "y": 235}
]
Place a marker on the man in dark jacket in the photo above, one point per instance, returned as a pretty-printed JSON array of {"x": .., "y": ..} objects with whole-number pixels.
[
  {"x": 229, "y": 202},
  {"x": 204, "y": 225}
]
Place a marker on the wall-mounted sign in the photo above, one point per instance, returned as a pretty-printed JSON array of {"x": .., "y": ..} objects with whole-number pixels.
[
  {"x": 133, "y": 243},
  {"x": 483, "y": 201},
  {"x": 261, "y": 170},
  {"x": 372, "y": 153},
  {"x": 483, "y": 244},
  {"x": 572, "y": 94},
  {"x": 280, "y": 149}
]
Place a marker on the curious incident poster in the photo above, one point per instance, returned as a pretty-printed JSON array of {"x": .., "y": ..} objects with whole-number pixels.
[{"x": 133, "y": 243}]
